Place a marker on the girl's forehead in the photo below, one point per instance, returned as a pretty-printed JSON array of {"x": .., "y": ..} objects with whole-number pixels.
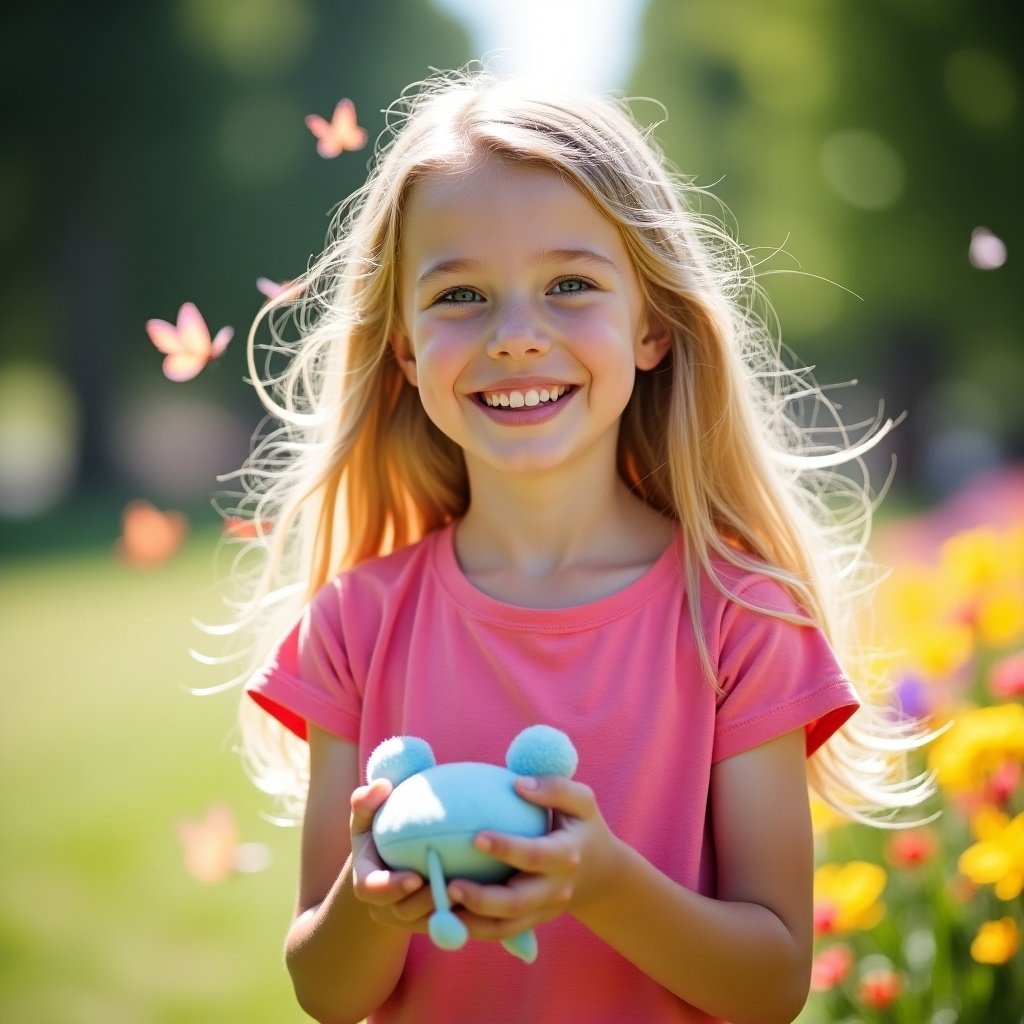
[{"x": 490, "y": 186}]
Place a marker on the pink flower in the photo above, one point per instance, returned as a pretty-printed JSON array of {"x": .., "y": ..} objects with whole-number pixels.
[
  {"x": 338, "y": 134},
  {"x": 187, "y": 345},
  {"x": 830, "y": 967},
  {"x": 1006, "y": 680}
]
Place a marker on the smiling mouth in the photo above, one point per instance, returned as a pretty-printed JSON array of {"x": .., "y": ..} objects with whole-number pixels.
[{"x": 528, "y": 398}]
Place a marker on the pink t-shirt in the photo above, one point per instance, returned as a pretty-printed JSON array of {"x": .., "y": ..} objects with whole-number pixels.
[{"x": 405, "y": 644}]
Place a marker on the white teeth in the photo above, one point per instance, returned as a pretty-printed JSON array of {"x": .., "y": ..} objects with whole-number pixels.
[{"x": 529, "y": 398}]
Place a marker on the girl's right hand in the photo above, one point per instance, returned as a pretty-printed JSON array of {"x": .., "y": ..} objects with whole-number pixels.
[{"x": 397, "y": 898}]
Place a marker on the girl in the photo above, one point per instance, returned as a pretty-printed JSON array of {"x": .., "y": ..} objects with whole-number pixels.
[{"x": 536, "y": 465}]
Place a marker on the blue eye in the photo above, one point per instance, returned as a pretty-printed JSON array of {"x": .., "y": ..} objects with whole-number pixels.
[
  {"x": 570, "y": 286},
  {"x": 460, "y": 295}
]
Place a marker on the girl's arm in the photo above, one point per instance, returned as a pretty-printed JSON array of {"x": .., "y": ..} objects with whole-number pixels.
[
  {"x": 745, "y": 956},
  {"x": 342, "y": 961}
]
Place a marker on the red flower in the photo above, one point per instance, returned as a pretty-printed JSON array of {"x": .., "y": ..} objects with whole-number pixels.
[
  {"x": 911, "y": 849},
  {"x": 825, "y": 915},
  {"x": 879, "y": 988},
  {"x": 1003, "y": 783}
]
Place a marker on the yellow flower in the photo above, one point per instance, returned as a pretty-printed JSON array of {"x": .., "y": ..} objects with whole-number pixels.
[
  {"x": 911, "y": 597},
  {"x": 847, "y": 897},
  {"x": 998, "y": 857},
  {"x": 979, "y": 741},
  {"x": 974, "y": 559},
  {"x": 1001, "y": 617},
  {"x": 996, "y": 941},
  {"x": 938, "y": 650}
]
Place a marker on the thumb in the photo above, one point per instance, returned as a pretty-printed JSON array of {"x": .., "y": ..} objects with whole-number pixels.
[{"x": 366, "y": 801}]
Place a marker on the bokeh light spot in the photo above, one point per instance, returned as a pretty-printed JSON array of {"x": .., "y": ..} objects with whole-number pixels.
[
  {"x": 38, "y": 439},
  {"x": 863, "y": 169},
  {"x": 174, "y": 447},
  {"x": 257, "y": 37},
  {"x": 987, "y": 251},
  {"x": 981, "y": 87},
  {"x": 784, "y": 67}
]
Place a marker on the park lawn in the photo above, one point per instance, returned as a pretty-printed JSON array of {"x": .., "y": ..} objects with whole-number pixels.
[{"x": 103, "y": 751}]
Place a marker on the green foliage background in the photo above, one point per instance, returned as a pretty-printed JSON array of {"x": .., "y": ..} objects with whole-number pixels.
[{"x": 768, "y": 100}]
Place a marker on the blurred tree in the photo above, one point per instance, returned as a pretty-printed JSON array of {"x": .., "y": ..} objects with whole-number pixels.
[
  {"x": 868, "y": 140},
  {"x": 156, "y": 153}
]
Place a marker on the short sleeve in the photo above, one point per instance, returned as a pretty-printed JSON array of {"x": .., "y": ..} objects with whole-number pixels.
[
  {"x": 777, "y": 676},
  {"x": 307, "y": 677}
]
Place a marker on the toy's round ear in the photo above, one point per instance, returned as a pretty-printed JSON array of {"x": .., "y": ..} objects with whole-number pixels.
[
  {"x": 398, "y": 758},
  {"x": 542, "y": 750}
]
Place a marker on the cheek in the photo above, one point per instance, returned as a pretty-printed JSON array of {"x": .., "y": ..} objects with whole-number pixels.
[
  {"x": 444, "y": 353},
  {"x": 440, "y": 362}
]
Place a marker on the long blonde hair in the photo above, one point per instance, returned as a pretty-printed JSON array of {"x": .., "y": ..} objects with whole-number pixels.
[{"x": 355, "y": 468}]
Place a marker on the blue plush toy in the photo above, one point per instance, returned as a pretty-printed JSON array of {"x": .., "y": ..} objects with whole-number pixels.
[{"x": 428, "y": 822}]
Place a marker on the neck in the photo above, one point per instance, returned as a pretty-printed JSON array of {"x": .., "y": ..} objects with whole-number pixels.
[{"x": 555, "y": 534}]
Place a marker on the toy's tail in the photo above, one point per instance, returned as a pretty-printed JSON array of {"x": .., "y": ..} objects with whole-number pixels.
[{"x": 448, "y": 932}]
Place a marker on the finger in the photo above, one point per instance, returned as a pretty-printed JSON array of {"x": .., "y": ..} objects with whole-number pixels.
[
  {"x": 555, "y": 852},
  {"x": 558, "y": 793},
  {"x": 366, "y": 801},
  {"x": 410, "y": 910},
  {"x": 382, "y": 887},
  {"x": 525, "y": 898}
]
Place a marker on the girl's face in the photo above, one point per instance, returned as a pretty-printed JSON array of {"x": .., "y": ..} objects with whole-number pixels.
[{"x": 522, "y": 317}]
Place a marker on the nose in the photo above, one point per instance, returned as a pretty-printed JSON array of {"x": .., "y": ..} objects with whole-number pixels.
[{"x": 516, "y": 334}]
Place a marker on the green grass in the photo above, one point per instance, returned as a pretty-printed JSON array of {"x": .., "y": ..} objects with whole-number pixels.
[{"x": 102, "y": 751}]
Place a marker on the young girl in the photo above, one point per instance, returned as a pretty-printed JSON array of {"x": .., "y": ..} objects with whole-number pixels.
[{"x": 536, "y": 464}]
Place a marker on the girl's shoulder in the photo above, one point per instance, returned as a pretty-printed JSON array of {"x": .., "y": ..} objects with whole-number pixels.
[
  {"x": 385, "y": 574},
  {"x": 755, "y": 587}
]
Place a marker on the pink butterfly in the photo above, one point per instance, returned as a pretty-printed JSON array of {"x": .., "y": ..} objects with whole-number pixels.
[
  {"x": 272, "y": 289},
  {"x": 213, "y": 852},
  {"x": 187, "y": 346},
  {"x": 338, "y": 134}
]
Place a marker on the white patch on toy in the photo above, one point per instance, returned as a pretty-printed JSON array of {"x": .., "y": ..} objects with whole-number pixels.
[{"x": 429, "y": 821}]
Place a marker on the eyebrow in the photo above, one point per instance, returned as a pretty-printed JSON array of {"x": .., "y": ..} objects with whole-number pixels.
[{"x": 459, "y": 265}]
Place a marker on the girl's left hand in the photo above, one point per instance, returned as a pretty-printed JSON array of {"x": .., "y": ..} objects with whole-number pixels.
[{"x": 557, "y": 873}]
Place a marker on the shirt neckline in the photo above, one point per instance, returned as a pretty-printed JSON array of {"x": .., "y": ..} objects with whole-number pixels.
[{"x": 665, "y": 569}]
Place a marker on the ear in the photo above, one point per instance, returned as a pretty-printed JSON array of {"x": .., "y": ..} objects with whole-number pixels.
[
  {"x": 653, "y": 343},
  {"x": 403, "y": 354}
]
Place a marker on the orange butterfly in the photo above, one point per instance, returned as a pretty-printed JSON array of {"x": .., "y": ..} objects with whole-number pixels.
[
  {"x": 245, "y": 529},
  {"x": 187, "y": 345},
  {"x": 212, "y": 849},
  {"x": 149, "y": 536},
  {"x": 338, "y": 134}
]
